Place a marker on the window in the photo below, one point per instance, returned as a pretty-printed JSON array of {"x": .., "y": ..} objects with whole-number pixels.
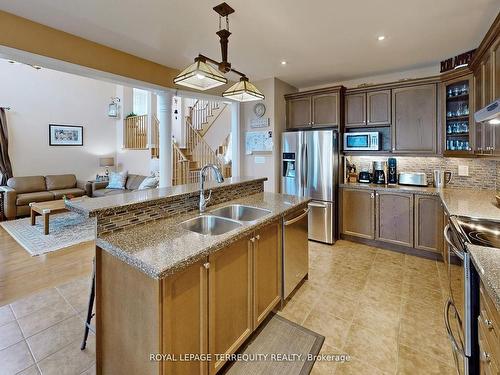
[{"x": 140, "y": 102}]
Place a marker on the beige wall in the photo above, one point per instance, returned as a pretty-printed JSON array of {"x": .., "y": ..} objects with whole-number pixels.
[
  {"x": 273, "y": 89},
  {"x": 220, "y": 129},
  {"x": 427, "y": 71},
  {"x": 42, "y": 97}
]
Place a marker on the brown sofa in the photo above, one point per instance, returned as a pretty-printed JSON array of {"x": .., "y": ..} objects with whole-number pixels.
[
  {"x": 21, "y": 191},
  {"x": 98, "y": 189}
]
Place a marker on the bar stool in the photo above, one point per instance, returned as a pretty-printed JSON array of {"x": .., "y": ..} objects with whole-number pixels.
[{"x": 90, "y": 315}]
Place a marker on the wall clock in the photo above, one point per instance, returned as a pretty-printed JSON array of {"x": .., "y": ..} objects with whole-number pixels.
[{"x": 259, "y": 109}]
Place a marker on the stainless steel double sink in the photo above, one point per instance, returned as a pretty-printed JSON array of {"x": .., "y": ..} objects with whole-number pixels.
[{"x": 224, "y": 219}]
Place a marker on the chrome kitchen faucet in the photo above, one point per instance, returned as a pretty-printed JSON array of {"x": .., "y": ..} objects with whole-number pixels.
[{"x": 218, "y": 177}]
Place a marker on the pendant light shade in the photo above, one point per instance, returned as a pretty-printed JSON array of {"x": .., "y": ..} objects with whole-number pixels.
[
  {"x": 200, "y": 76},
  {"x": 243, "y": 91}
]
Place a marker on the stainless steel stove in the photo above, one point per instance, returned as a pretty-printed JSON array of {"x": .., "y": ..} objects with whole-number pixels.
[{"x": 480, "y": 232}]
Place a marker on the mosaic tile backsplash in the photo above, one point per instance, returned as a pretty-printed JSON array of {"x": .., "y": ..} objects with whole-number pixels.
[{"x": 483, "y": 173}]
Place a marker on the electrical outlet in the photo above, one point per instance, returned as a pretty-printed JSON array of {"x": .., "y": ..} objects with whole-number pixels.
[{"x": 463, "y": 170}]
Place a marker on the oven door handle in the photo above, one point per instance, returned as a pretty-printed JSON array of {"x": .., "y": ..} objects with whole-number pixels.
[
  {"x": 447, "y": 307},
  {"x": 457, "y": 252}
]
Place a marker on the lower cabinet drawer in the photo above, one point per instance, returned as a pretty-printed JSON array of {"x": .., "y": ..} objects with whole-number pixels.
[{"x": 488, "y": 363}]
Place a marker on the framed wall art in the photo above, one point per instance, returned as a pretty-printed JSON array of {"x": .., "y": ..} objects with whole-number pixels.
[{"x": 65, "y": 135}]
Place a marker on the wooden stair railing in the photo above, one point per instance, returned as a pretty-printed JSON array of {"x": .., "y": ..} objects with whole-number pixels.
[
  {"x": 198, "y": 148},
  {"x": 180, "y": 166},
  {"x": 201, "y": 111},
  {"x": 135, "y": 133}
]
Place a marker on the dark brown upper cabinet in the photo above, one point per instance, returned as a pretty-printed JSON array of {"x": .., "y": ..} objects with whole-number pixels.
[
  {"x": 314, "y": 109},
  {"x": 355, "y": 110},
  {"x": 414, "y": 113},
  {"x": 369, "y": 109},
  {"x": 378, "y": 108},
  {"x": 486, "y": 69},
  {"x": 298, "y": 113}
]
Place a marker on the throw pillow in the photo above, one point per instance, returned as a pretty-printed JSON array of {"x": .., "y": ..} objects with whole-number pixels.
[
  {"x": 117, "y": 180},
  {"x": 150, "y": 182}
]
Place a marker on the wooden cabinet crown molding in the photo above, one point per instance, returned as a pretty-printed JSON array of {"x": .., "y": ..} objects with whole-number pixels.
[
  {"x": 487, "y": 42},
  {"x": 394, "y": 84},
  {"x": 325, "y": 90}
]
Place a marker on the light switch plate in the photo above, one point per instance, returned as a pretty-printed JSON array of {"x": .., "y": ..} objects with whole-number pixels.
[
  {"x": 259, "y": 160},
  {"x": 463, "y": 170}
]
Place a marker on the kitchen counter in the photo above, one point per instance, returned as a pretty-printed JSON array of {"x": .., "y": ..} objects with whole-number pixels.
[
  {"x": 400, "y": 188},
  {"x": 128, "y": 201},
  {"x": 163, "y": 247},
  {"x": 480, "y": 204},
  {"x": 487, "y": 263}
]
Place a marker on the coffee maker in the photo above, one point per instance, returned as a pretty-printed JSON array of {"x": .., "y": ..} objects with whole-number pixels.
[
  {"x": 379, "y": 170},
  {"x": 392, "y": 172}
]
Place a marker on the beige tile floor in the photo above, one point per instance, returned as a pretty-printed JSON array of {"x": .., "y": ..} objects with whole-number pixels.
[
  {"x": 382, "y": 308},
  {"x": 42, "y": 333}
]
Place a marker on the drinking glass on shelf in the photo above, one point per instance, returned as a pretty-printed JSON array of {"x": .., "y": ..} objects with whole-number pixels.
[
  {"x": 449, "y": 129},
  {"x": 464, "y": 89},
  {"x": 450, "y": 92},
  {"x": 465, "y": 109},
  {"x": 456, "y": 91},
  {"x": 449, "y": 114}
]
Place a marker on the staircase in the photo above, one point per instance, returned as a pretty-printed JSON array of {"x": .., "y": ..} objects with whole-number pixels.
[{"x": 188, "y": 161}]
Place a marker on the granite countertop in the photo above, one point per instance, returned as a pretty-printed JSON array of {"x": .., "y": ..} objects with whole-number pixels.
[
  {"x": 163, "y": 247},
  {"x": 402, "y": 188},
  {"x": 487, "y": 263},
  {"x": 480, "y": 204},
  {"x": 92, "y": 207}
]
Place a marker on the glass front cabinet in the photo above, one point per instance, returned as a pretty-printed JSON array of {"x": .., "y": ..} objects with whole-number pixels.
[{"x": 458, "y": 120}]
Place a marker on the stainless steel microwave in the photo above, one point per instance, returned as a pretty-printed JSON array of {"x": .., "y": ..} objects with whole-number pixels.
[{"x": 360, "y": 141}]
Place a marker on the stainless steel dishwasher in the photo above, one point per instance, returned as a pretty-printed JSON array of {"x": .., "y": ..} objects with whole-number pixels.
[{"x": 295, "y": 250}]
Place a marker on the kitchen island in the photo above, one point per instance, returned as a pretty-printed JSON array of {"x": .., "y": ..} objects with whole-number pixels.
[{"x": 170, "y": 300}]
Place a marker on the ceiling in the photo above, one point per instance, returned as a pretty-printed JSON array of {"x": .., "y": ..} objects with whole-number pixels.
[{"x": 322, "y": 41}]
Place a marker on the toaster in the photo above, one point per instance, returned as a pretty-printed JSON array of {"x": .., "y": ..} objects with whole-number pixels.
[{"x": 412, "y": 178}]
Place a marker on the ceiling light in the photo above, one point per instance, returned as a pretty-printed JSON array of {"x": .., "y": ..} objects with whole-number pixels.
[
  {"x": 380, "y": 38},
  {"x": 283, "y": 62},
  {"x": 202, "y": 75},
  {"x": 494, "y": 121},
  {"x": 243, "y": 91}
]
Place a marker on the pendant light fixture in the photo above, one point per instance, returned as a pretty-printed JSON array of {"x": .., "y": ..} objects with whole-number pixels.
[{"x": 201, "y": 75}]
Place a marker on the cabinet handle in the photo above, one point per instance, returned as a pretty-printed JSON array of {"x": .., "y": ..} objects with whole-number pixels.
[
  {"x": 206, "y": 265},
  {"x": 257, "y": 237},
  {"x": 372, "y": 196},
  {"x": 312, "y": 123},
  {"x": 252, "y": 240},
  {"x": 485, "y": 357},
  {"x": 376, "y": 194}
]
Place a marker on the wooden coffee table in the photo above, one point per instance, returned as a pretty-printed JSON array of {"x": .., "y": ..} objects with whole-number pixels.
[{"x": 46, "y": 209}]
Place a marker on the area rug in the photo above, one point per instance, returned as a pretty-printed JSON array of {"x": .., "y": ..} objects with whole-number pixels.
[
  {"x": 66, "y": 229},
  {"x": 278, "y": 347}
]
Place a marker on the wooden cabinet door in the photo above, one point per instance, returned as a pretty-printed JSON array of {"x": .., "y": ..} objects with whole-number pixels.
[
  {"x": 414, "y": 116},
  {"x": 325, "y": 109},
  {"x": 298, "y": 113},
  {"x": 428, "y": 223},
  {"x": 488, "y": 79},
  {"x": 358, "y": 215},
  {"x": 394, "y": 218},
  {"x": 495, "y": 53},
  {"x": 185, "y": 312},
  {"x": 230, "y": 296},
  {"x": 379, "y": 107},
  {"x": 355, "y": 110},
  {"x": 266, "y": 271}
]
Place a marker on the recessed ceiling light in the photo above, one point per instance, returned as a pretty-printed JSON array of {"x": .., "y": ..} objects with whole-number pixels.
[
  {"x": 283, "y": 62},
  {"x": 381, "y": 37}
]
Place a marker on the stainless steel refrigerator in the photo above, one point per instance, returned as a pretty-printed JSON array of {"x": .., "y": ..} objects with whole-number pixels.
[{"x": 309, "y": 167}]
